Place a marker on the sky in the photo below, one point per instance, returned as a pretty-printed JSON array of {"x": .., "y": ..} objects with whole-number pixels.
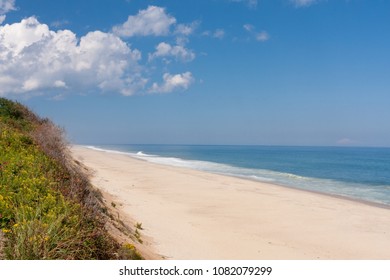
[{"x": 250, "y": 72}]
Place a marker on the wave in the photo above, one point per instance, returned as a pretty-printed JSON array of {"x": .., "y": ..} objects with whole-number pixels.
[
  {"x": 142, "y": 154},
  {"x": 378, "y": 194}
]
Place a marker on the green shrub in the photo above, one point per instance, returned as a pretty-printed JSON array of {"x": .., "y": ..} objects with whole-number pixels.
[{"x": 48, "y": 209}]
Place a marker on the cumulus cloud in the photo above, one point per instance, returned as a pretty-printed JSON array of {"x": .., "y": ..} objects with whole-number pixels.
[
  {"x": 178, "y": 52},
  {"x": 35, "y": 59},
  {"x": 5, "y": 7},
  {"x": 303, "y": 3},
  {"x": 173, "y": 82},
  {"x": 152, "y": 21},
  {"x": 186, "y": 29}
]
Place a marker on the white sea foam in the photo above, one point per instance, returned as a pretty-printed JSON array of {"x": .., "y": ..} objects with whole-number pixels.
[{"x": 353, "y": 190}]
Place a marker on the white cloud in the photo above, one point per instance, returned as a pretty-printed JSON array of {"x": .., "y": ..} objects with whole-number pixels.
[
  {"x": 6, "y": 6},
  {"x": 179, "y": 52},
  {"x": 34, "y": 59},
  {"x": 173, "y": 82},
  {"x": 219, "y": 33},
  {"x": 152, "y": 21},
  {"x": 16, "y": 37},
  {"x": 186, "y": 29},
  {"x": 262, "y": 36},
  {"x": 303, "y": 3},
  {"x": 60, "y": 84},
  {"x": 249, "y": 27},
  {"x": 183, "y": 31}
]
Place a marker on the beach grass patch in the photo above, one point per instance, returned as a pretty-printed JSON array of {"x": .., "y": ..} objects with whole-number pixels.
[{"x": 48, "y": 209}]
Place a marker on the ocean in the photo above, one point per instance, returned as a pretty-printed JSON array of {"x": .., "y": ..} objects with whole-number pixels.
[{"x": 357, "y": 173}]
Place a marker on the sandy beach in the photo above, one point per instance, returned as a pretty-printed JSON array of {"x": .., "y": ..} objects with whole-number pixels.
[{"x": 188, "y": 214}]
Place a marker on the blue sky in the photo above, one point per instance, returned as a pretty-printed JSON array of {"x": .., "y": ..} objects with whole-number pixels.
[{"x": 268, "y": 72}]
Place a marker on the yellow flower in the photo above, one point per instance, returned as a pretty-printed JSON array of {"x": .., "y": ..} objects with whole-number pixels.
[
  {"x": 129, "y": 246},
  {"x": 5, "y": 230},
  {"x": 16, "y": 225}
]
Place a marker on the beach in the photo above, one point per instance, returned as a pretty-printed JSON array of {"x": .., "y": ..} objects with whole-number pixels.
[{"x": 189, "y": 214}]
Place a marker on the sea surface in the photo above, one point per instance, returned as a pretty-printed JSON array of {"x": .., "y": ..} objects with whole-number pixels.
[{"x": 357, "y": 173}]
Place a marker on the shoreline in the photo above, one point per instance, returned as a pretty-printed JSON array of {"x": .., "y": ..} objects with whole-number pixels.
[
  {"x": 190, "y": 214},
  {"x": 335, "y": 195},
  {"x": 338, "y": 196}
]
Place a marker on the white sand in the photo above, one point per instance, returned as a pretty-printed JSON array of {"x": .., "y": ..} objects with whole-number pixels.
[{"x": 196, "y": 215}]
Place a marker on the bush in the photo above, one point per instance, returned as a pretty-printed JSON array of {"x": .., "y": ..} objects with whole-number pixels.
[{"x": 48, "y": 209}]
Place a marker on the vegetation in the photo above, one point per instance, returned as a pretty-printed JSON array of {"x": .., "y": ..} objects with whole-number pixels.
[
  {"x": 139, "y": 226},
  {"x": 48, "y": 209}
]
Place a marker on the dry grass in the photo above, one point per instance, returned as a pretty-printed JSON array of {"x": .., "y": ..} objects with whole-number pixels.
[
  {"x": 2, "y": 257},
  {"x": 49, "y": 209}
]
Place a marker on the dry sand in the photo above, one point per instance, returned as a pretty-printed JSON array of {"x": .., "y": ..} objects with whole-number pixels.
[{"x": 196, "y": 215}]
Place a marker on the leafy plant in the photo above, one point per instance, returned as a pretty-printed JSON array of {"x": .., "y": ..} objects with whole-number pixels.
[{"x": 48, "y": 209}]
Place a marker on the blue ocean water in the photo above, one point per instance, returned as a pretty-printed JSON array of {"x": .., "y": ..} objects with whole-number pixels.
[{"x": 359, "y": 173}]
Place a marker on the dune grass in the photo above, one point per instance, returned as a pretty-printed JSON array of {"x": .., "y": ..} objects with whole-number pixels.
[{"x": 48, "y": 209}]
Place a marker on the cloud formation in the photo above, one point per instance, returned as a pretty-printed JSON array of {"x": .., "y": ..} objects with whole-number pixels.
[
  {"x": 5, "y": 7},
  {"x": 186, "y": 29},
  {"x": 262, "y": 36},
  {"x": 34, "y": 59},
  {"x": 152, "y": 21},
  {"x": 218, "y": 33},
  {"x": 173, "y": 82},
  {"x": 178, "y": 52}
]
